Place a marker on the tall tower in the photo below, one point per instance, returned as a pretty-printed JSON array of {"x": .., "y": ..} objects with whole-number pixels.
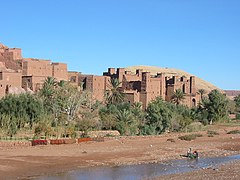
[
  {"x": 120, "y": 73},
  {"x": 192, "y": 85}
]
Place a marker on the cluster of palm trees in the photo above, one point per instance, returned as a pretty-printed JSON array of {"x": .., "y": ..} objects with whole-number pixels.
[
  {"x": 178, "y": 96},
  {"x": 213, "y": 107},
  {"x": 61, "y": 107}
]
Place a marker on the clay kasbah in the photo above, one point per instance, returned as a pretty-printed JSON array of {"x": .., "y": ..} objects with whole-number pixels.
[
  {"x": 21, "y": 160},
  {"x": 19, "y": 74}
]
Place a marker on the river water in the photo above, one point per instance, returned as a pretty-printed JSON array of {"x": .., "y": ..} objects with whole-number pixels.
[{"x": 143, "y": 171}]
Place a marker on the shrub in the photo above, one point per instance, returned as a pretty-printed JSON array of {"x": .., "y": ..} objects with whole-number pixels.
[
  {"x": 42, "y": 129},
  {"x": 190, "y": 137},
  {"x": 238, "y": 116},
  {"x": 212, "y": 133},
  {"x": 198, "y": 135},
  {"x": 70, "y": 132},
  {"x": 234, "y": 132},
  {"x": 180, "y": 123},
  {"x": 194, "y": 127}
]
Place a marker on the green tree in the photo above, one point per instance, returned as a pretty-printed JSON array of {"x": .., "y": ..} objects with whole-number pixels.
[
  {"x": 232, "y": 108},
  {"x": 62, "y": 100},
  {"x": 177, "y": 96},
  {"x": 124, "y": 121},
  {"x": 22, "y": 110},
  {"x": 68, "y": 100},
  {"x": 140, "y": 116},
  {"x": 47, "y": 93},
  {"x": 216, "y": 105},
  {"x": 113, "y": 95},
  {"x": 88, "y": 118},
  {"x": 181, "y": 118},
  {"x": 158, "y": 116},
  {"x": 12, "y": 127},
  {"x": 108, "y": 118},
  {"x": 44, "y": 127},
  {"x": 124, "y": 117},
  {"x": 201, "y": 92},
  {"x": 237, "y": 101}
]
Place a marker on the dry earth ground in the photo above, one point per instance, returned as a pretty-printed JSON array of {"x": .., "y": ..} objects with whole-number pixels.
[{"x": 21, "y": 162}]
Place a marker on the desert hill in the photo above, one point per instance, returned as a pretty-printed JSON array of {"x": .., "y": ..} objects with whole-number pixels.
[{"x": 200, "y": 84}]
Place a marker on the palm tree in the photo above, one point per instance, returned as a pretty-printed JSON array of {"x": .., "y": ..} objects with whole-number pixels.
[
  {"x": 113, "y": 95},
  {"x": 50, "y": 81},
  {"x": 177, "y": 96},
  {"x": 137, "y": 105},
  {"x": 201, "y": 92},
  {"x": 47, "y": 90},
  {"x": 125, "y": 120},
  {"x": 47, "y": 93},
  {"x": 62, "y": 83}
]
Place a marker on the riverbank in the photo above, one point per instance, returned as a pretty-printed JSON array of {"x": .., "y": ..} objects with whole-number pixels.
[
  {"x": 229, "y": 171},
  {"x": 21, "y": 162}
]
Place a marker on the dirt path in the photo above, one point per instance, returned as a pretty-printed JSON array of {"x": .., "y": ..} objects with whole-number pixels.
[{"x": 23, "y": 162}]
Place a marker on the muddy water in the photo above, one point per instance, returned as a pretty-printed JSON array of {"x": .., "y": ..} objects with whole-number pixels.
[{"x": 142, "y": 171}]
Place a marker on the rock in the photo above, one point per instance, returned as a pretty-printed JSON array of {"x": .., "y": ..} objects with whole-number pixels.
[{"x": 171, "y": 140}]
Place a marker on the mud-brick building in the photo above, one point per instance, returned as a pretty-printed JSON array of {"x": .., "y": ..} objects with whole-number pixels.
[
  {"x": 28, "y": 73},
  {"x": 35, "y": 71},
  {"x": 74, "y": 78},
  {"x": 11, "y": 57},
  {"x": 17, "y": 72},
  {"x": 144, "y": 87},
  {"x": 10, "y": 81},
  {"x": 10, "y": 70},
  {"x": 139, "y": 86},
  {"x": 97, "y": 85},
  {"x": 186, "y": 85}
]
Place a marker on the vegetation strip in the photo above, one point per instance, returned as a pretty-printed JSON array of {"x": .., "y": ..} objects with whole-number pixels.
[{"x": 60, "y": 110}]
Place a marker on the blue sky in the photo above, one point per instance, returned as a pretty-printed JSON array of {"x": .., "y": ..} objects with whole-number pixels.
[{"x": 199, "y": 36}]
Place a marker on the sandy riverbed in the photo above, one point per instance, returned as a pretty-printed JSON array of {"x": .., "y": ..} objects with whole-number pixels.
[{"x": 22, "y": 162}]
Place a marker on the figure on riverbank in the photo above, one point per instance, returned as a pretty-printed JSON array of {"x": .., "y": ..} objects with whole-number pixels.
[
  {"x": 189, "y": 151},
  {"x": 191, "y": 155}
]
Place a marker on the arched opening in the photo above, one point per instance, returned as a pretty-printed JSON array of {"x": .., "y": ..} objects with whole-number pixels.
[{"x": 193, "y": 102}]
